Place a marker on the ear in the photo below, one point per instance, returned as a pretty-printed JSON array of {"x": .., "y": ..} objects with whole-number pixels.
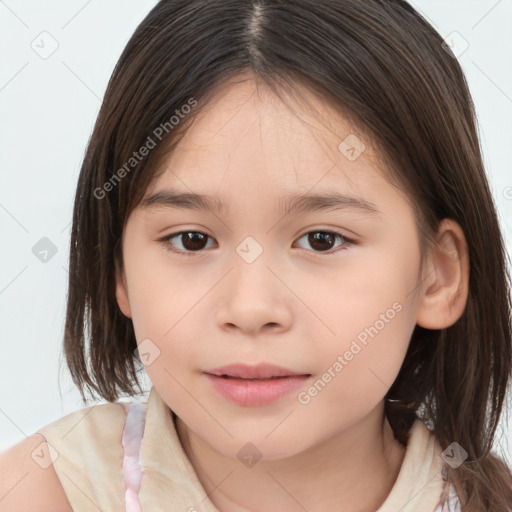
[
  {"x": 444, "y": 290},
  {"x": 122, "y": 292}
]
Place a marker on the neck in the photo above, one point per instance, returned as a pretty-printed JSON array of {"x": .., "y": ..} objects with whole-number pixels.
[{"x": 332, "y": 475}]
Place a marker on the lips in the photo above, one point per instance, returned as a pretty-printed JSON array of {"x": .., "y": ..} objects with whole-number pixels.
[
  {"x": 255, "y": 385},
  {"x": 259, "y": 371}
]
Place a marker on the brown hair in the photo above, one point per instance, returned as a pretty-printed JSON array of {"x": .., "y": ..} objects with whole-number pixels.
[{"x": 383, "y": 66}]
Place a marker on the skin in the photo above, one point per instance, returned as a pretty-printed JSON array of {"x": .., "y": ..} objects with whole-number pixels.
[{"x": 294, "y": 306}]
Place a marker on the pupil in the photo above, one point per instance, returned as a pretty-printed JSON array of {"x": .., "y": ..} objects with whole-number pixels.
[
  {"x": 190, "y": 244},
  {"x": 321, "y": 237}
]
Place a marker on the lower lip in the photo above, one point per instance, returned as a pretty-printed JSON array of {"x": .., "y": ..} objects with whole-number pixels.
[{"x": 250, "y": 393}]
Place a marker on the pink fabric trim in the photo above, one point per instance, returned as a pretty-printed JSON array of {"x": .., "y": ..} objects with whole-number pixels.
[
  {"x": 132, "y": 436},
  {"x": 453, "y": 505}
]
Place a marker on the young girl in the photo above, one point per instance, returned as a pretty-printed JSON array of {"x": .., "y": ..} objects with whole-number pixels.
[{"x": 366, "y": 374}]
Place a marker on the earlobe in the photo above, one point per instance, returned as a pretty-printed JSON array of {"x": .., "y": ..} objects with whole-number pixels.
[
  {"x": 444, "y": 290},
  {"x": 122, "y": 293}
]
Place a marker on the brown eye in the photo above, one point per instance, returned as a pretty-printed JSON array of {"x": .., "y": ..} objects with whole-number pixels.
[
  {"x": 321, "y": 241},
  {"x": 194, "y": 242},
  {"x": 324, "y": 241},
  {"x": 191, "y": 241}
]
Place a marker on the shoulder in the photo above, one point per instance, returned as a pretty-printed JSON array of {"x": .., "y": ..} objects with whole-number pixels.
[
  {"x": 79, "y": 430},
  {"x": 29, "y": 470},
  {"x": 27, "y": 482}
]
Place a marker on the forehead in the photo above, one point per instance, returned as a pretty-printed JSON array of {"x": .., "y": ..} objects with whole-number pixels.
[
  {"x": 247, "y": 117},
  {"x": 248, "y": 142}
]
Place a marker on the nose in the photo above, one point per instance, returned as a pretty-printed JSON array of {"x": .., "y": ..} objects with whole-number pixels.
[{"x": 254, "y": 299}]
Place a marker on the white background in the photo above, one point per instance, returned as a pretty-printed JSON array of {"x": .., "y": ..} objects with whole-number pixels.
[{"x": 47, "y": 110}]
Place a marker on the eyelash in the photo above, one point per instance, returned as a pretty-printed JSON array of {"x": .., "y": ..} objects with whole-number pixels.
[{"x": 166, "y": 242}]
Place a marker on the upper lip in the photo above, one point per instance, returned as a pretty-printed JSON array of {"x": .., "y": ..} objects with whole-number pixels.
[{"x": 257, "y": 371}]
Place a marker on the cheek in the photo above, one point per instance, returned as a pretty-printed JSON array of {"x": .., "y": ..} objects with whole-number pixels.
[
  {"x": 356, "y": 377},
  {"x": 371, "y": 312},
  {"x": 163, "y": 303},
  {"x": 370, "y": 292},
  {"x": 377, "y": 352},
  {"x": 162, "y": 326},
  {"x": 159, "y": 296}
]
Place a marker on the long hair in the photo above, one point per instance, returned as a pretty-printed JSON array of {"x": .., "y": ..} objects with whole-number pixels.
[{"x": 382, "y": 65}]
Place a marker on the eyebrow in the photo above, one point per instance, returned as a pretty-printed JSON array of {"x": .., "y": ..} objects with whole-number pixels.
[{"x": 293, "y": 203}]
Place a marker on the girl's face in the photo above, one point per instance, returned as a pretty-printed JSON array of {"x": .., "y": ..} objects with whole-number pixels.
[{"x": 328, "y": 291}]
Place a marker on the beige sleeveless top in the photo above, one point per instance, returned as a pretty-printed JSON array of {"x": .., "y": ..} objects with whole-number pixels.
[{"x": 128, "y": 457}]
